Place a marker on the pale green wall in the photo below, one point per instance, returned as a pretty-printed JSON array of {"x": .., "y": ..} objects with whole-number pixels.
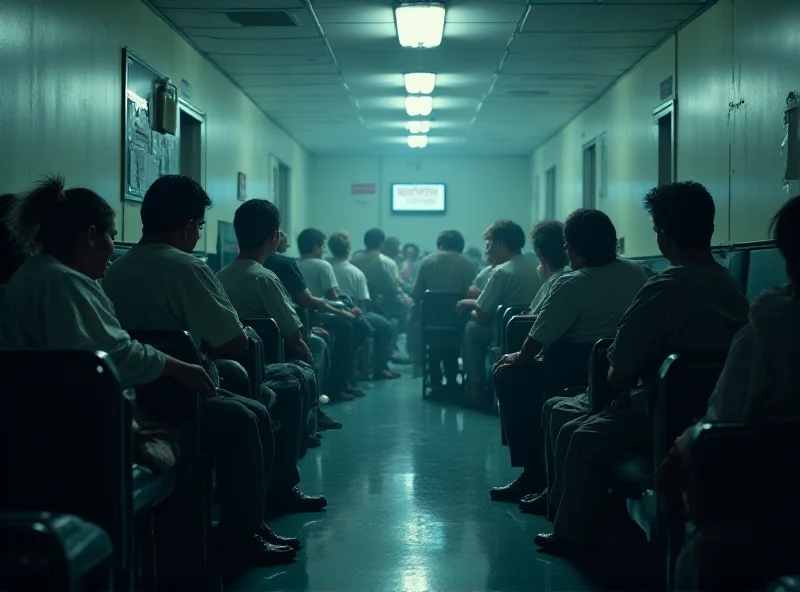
[
  {"x": 479, "y": 191},
  {"x": 739, "y": 50},
  {"x": 61, "y": 97}
]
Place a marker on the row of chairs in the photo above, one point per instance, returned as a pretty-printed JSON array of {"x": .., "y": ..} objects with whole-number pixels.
[{"x": 75, "y": 508}]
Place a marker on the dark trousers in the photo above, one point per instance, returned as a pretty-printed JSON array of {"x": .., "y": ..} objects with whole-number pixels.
[
  {"x": 290, "y": 409},
  {"x": 342, "y": 348},
  {"x": 237, "y": 436},
  {"x": 283, "y": 394},
  {"x": 443, "y": 356},
  {"x": 383, "y": 336},
  {"x": 521, "y": 393}
]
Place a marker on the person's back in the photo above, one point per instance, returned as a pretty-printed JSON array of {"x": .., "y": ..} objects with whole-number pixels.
[
  {"x": 586, "y": 305},
  {"x": 445, "y": 271},
  {"x": 380, "y": 271},
  {"x": 318, "y": 274},
  {"x": 513, "y": 283},
  {"x": 157, "y": 286},
  {"x": 694, "y": 307},
  {"x": 253, "y": 290},
  {"x": 351, "y": 280}
]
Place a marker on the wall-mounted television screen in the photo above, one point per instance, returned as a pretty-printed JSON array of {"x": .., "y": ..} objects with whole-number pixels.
[{"x": 426, "y": 198}]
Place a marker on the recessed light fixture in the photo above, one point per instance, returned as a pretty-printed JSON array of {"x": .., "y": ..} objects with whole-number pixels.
[
  {"x": 420, "y": 83},
  {"x": 419, "y": 105},
  {"x": 420, "y": 24},
  {"x": 417, "y": 141},
  {"x": 418, "y": 127}
]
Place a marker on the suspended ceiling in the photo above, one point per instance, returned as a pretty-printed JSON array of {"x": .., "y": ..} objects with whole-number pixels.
[{"x": 510, "y": 73}]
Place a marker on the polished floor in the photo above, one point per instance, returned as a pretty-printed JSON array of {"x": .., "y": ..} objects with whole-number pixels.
[{"x": 408, "y": 482}]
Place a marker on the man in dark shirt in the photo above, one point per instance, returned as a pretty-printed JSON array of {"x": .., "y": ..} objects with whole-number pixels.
[{"x": 340, "y": 324}]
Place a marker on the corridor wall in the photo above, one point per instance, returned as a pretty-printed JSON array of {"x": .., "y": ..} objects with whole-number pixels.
[
  {"x": 733, "y": 66},
  {"x": 61, "y": 97}
]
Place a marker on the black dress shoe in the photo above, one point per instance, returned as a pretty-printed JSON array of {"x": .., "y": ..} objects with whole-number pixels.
[
  {"x": 513, "y": 492},
  {"x": 550, "y": 543},
  {"x": 534, "y": 504},
  {"x": 294, "y": 502},
  {"x": 255, "y": 551},
  {"x": 341, "y": 396},
  {"x": 351, "y": 390},
  {"x": 324, "y": 422},
  {"x": 274, "y": 538}
]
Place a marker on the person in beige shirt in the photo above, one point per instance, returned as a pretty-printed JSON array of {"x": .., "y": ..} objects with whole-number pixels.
[{"x": 445, "y": 271}]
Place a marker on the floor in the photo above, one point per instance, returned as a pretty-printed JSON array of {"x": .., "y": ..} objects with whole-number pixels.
[{"x": 408, "y": 487}]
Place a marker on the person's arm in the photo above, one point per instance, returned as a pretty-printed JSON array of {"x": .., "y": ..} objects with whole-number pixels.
[
  {"x": 296, "y": 344},
  {"x": 639, "y": 335},
  {"x": 418, "y": 289},
  {"x": 305, "y": 299},
  {"x": 330, "y": 284},
  {"x": 81, "y": 316}
]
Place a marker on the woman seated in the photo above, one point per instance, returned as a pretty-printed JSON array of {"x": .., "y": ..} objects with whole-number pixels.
[{"x": 53, "y": 300}]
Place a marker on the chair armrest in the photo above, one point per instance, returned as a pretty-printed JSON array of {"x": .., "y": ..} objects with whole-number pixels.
[{"x": 517, "y": 330}]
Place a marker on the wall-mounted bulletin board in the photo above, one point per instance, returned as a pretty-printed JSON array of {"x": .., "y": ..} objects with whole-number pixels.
[{"x": 150, "y": 147}]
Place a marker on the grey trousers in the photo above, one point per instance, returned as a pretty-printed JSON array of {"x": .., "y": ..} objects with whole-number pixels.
[
  {"x": 557, "y": 413},
  {"x": 594, "y": 445}
]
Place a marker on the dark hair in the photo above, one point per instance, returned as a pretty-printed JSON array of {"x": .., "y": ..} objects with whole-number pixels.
[
  {"x": 592, "y": 236},
  {"x": 170, "y": 201},
  {"x": 52, "y": 218},
  {"x": 507, "y": 232},
  {"x": 408, "y": 246},
  {"x": 374, "y": 238},
  {"x": 308, "y": 239},
  {"x": 684, "y": 212},
  {"x": 254, "y": 222},
  {"x": 339, "y": 243},
  {"x": 11, "y": 254},
  {"x": 391, "y": 242},
  {"x": 784, "y": 230},
  {"x": 451, "y": 240},
  {"x": 547, "y": 239}
]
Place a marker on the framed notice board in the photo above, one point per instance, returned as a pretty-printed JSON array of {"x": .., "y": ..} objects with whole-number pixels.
[{"x": 147, "y": 152}]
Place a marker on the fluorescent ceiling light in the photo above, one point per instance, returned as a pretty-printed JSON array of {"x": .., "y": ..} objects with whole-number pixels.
[
  {"x": 420, "y": 83},
  {"x": 419, "y": 106},
  {"x": 417, "y": 141},
  {"x": 420, "y": 24},
  {"x": 418, "y": 127}
]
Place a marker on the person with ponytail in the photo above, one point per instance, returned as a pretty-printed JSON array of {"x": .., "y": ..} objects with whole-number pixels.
[{"x": 53, "y": 300}]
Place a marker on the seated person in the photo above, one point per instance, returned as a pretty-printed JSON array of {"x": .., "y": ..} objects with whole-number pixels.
[
  {"x": 322, "y": 283},
  {"x": 339, "y": 386},
  {"x": 283, "y": 243},
  {"x": 547, "y": 239},
  {"x": 760, "y": 381},
  {"x": 447, "y": 270},
  {"x": 513, "y": 282},
  {"x": 693, "y": 305},
  {"x": 160, "y": 285},
  {"x": 481, "y": 279},
  {"x": 11, "y": 256},
  {"x": 55, "y": 302},
  {"x": 583, "y": 306},
  {"x": 353, "y": 283},
  {"x": 257, "y": 293},
  {"x": 409, "y": 266},
  {"x": 383, "y": 279}
]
